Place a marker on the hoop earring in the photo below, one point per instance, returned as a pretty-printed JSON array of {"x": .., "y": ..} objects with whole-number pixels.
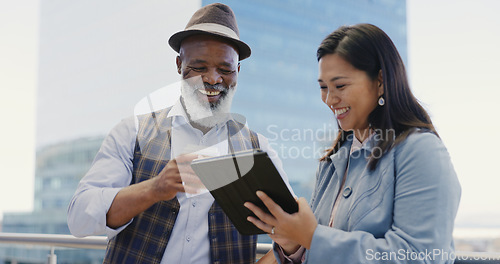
[{"x": 381, "y": 101}]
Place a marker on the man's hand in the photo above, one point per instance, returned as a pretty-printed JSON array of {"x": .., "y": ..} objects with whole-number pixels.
[
  {"x": 170, "y": 180},
  {"x": 136, "y": 198}
]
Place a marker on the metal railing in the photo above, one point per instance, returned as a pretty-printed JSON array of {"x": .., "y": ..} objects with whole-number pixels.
[
  {"x": 69, "y": 241},
  {"x": 100, "y": 242},
  {"x": 51, "y": 240}
]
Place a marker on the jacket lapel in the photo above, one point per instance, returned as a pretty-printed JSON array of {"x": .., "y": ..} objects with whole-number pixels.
[{"x": 333, "y": 182}]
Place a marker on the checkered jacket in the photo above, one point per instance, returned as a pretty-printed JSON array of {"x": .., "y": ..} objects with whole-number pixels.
[{"x": 145, "y": 239}]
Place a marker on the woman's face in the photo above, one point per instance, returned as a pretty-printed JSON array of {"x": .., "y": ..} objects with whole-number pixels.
[{"x": 350, "y": 93}]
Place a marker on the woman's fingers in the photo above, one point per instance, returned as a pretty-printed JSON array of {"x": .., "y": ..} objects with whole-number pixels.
[
  {"x": 285, "y": 225},
  {"x": 268, "y": 220},
  {"x": 261, "y": 225},
  {"x": 274, "y": 208},
  {"x": 263, "y": 216}
]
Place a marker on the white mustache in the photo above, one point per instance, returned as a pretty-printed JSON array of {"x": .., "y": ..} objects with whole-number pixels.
[{"x": 217, "y": 87}]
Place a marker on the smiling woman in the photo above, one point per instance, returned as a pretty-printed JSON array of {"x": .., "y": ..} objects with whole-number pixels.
[{"x": 402, "y": 198}]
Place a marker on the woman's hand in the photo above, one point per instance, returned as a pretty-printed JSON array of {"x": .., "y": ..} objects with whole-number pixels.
[
  {"x": 288, "y": 228},
  {"x": 288, "y": 246}
]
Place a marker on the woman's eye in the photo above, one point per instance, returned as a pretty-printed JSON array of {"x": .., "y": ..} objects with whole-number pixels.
[
  {"x": 340, "y": 86},
  {"x": 323, "y": 87}
]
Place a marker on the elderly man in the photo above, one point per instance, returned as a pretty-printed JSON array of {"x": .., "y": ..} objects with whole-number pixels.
[{"x": 135, "y": 191}]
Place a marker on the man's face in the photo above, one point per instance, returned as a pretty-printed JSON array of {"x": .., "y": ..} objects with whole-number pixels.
[
  {"x": 209, "y": 68},
  {"x": 214, "y": 60}
]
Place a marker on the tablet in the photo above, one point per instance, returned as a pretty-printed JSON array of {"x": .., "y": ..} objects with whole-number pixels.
[{"x": 234, "y": 179}]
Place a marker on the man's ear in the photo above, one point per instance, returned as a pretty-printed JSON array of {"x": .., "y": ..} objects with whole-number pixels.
[
  {"x": 380, "y": 80},
  {"x": 179, "y": 64}
]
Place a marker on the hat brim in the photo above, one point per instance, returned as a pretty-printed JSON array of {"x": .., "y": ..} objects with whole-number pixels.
[{"x": 176, "y": 39}]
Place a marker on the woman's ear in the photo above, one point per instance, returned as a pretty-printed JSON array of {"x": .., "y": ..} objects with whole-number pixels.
[{"x": 380, "y": 80}]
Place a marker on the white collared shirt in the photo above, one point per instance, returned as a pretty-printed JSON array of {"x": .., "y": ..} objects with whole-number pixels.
[{"x": 112, "y": 170}]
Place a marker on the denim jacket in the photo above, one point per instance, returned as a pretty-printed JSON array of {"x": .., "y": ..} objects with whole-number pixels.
[{"x": 402, "y": 212}]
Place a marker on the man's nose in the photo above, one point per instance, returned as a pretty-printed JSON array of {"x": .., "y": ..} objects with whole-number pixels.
[{"x": 212, "y": 77}]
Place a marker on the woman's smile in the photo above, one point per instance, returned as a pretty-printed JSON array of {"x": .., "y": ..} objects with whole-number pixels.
[{"x": 342, "y": 112}]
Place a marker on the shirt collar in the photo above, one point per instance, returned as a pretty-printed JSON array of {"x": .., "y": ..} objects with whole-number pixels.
[
  {"x": 357, "y": 145},
  {"x": 366, "y": 144},
  {"x": 351, "y": 145}
]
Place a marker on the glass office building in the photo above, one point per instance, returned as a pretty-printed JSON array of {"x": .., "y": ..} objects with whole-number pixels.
[
  {"x": 59, "y": 168},
  {"x": 97, "y": 60},
  {"x": 277, "y": 88}
]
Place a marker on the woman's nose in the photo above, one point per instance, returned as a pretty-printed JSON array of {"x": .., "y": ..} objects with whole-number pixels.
[{"x": 331, "y": 99}]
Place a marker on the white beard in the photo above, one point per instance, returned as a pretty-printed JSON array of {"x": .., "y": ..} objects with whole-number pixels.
[{"x": 201, "y": 112}]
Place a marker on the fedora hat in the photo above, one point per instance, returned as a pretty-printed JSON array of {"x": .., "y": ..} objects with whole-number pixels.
[{"x": 214, "y": 19}]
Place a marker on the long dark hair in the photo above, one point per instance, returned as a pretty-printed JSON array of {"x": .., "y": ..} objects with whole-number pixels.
[{"x": 369, "y": 49}]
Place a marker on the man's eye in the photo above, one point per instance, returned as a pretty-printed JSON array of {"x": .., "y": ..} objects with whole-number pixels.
[
  {"x": 224, "y": 71},
  {"x": 197, "y": 69}
]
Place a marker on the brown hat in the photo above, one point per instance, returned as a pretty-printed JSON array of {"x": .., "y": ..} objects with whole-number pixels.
[{"x": 214, "y": 19}]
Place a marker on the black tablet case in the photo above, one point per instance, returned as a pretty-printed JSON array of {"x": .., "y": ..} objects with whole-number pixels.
[{"x": 261, "y": 176}]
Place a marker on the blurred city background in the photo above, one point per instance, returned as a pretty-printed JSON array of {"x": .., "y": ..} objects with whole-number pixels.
[{"x": 81, "y": 67}]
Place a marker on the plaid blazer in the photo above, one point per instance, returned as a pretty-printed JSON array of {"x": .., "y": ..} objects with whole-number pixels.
[{"x": 145, "y": 239}]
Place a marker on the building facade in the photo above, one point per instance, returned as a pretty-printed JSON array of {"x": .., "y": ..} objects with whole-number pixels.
[{"x": 59, "y": 168}]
